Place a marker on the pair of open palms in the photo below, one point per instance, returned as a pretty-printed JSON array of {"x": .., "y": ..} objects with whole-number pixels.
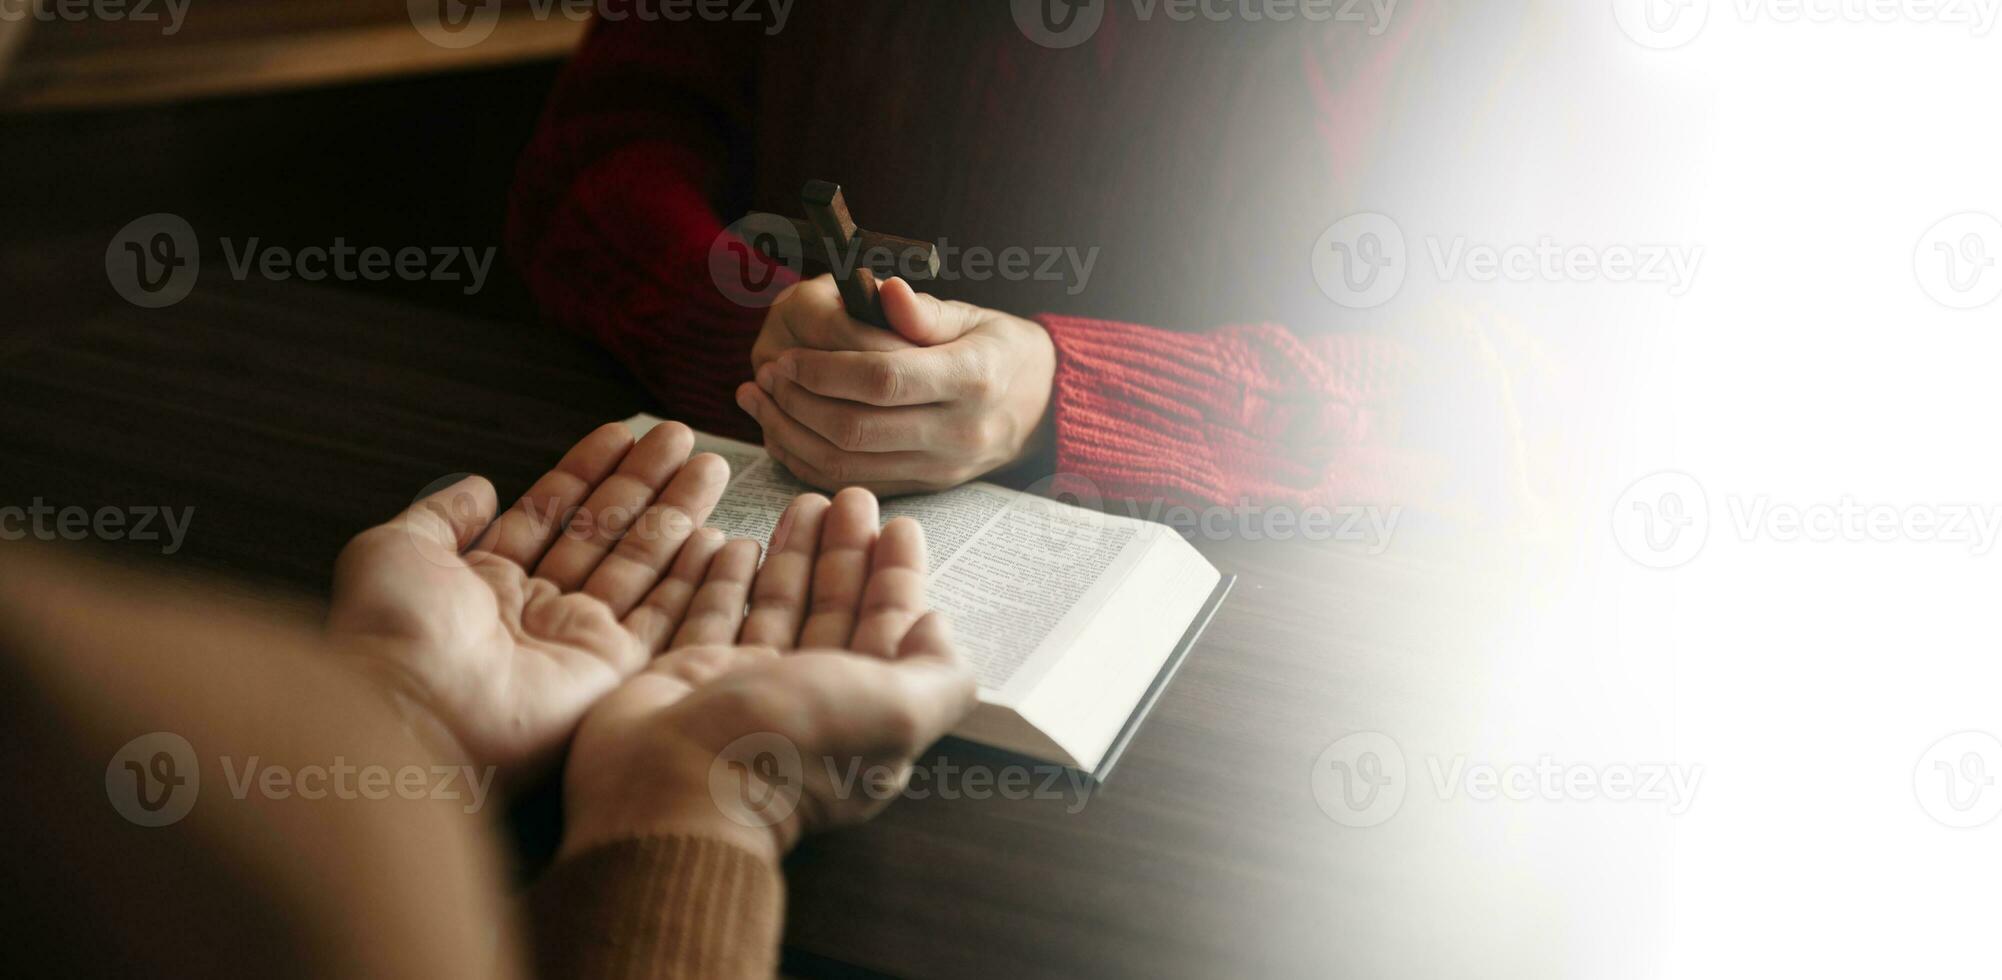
[{"x": 599, "y": 606}]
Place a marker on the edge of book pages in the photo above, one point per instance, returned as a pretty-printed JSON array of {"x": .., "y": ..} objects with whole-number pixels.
[{"x": 1070, "y": 663}]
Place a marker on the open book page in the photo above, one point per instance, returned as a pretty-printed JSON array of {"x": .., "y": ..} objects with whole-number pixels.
[
  {"x": 1085, "y": 699},
  {"x": 1020, "y": 576},
  {"x": 1034, "y": 578}
]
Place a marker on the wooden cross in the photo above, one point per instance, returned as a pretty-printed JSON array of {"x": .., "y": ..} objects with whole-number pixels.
[{"x": 828, "y": 237}]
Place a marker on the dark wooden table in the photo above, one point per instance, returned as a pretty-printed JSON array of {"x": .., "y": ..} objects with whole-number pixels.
[{"x": 289, "y": 417}]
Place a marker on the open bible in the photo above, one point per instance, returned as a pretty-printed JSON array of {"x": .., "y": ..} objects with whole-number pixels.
[{"x": 1073, "y": 620}]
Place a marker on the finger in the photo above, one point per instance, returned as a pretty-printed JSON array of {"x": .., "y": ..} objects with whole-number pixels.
[
  {"x": 923, "y": 319},
  {"x": 778, "y": 597},
  {"x": 615, "y": 505},
  {"x": 655, "y": 619},
  {"x": 633, "y": 567},
  {"x": 894, "y": 597},
  {"x": 929, "y": 639},
  {"x": 451, "y": 519},
  {"x": 911, "y": 377},
  {"x": 934, "y": 678},
  {"x": 927, "y": 689},
  {"x": 840, "y": 570},
  {"x": 717, "y": 610},
  {"x": 811, "y": 314},
  {"x": 811, "y": 476},
  {"x": 829, "y": 467},
  {"x": 853, "y": 426},
  {"x": 525, "y": 532},
  {"x": 696, "y": 666},
  {"x": 818, "y": 318}
]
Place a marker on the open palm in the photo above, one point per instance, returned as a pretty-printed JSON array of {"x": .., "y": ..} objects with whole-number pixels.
[
  {"x": 837, "y": 661},
  {"x": 504, "y": 631}
]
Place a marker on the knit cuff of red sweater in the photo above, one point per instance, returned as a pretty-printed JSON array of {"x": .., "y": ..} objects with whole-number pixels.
[
  {"x": 1232, "y": 414},
  {"x": 659, "y": 907}
]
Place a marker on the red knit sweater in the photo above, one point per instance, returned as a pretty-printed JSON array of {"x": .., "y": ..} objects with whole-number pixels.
[{"x": 1199, "y": 160}]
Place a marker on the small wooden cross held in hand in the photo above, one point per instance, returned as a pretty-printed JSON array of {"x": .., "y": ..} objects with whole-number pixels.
[{"x": 828, "y": 236}]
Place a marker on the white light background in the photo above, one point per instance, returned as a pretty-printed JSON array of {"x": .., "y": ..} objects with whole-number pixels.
[{"x": 1806, "y": 365}]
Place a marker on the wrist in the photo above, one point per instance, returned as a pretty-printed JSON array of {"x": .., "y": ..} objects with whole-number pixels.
[
  {"x": 380, "y": 669},
  {"x": 1038, "y": 447},
  {"x": 674, "y": 791}
]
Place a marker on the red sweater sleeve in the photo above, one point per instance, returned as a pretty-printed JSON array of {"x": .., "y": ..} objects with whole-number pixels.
[
  {"x": 615, "y": 211},
  {"x": 1243, "y": 413},
  {"x": 612, "y": 214}
]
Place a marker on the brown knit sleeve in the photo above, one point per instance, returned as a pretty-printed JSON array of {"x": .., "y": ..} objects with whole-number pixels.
[{"x": 658, "y": 907}]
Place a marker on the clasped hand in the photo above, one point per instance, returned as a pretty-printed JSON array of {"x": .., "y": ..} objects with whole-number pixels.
[
  {"x": 598, "y": 605},
  {"x": 951, "y": 393}
]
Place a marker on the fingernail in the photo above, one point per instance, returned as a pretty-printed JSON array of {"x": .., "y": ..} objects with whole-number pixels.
[
  {"x": 744, "y": 402},
  {"x": 765, "y": 377},
  {"x": 785, "y": 368}
]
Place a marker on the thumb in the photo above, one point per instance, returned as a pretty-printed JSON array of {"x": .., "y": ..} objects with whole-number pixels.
[
  {"x": 920, "y": 318},
  {"x": 933, "y": 679},
  {"x": 929, "y": 639},
  {"x": 454, "y": 516}
]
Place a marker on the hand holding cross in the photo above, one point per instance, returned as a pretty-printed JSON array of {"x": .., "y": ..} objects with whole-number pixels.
[{"x": 828, "y": 236}]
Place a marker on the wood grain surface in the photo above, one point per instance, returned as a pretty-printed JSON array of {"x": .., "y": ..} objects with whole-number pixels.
[{"x": 290, "y": 417}]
